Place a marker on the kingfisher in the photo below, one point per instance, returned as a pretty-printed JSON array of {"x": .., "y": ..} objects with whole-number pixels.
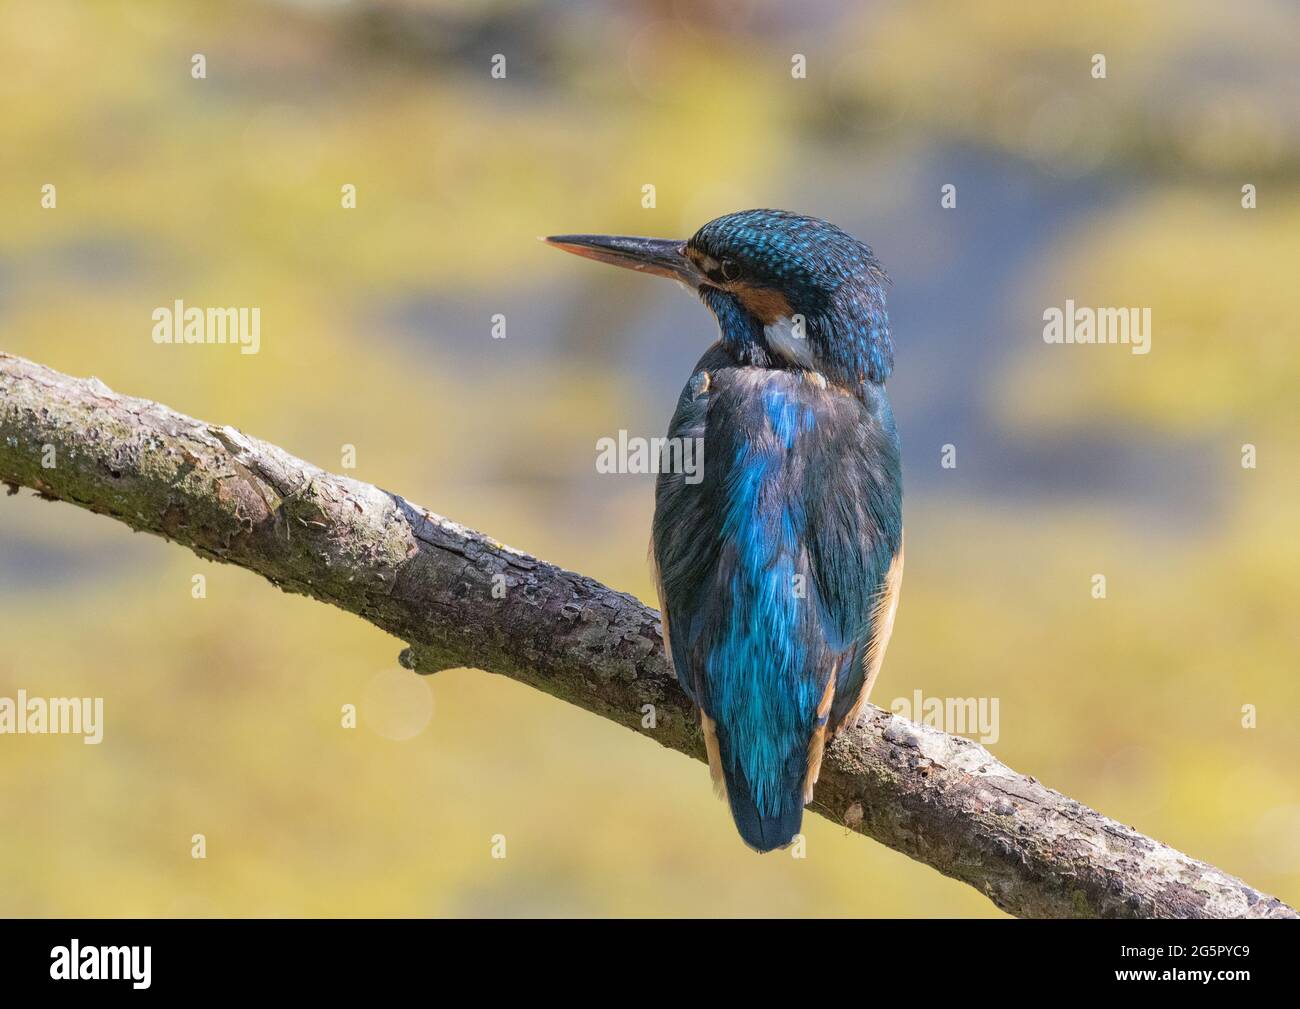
[{"x": 779, "y": 570}]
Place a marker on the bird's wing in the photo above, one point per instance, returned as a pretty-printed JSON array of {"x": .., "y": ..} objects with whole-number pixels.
[
  {"x": 769, "y": 562},
  {"x": 859, "y": 553},
  {"x": 853, "y": 483}
]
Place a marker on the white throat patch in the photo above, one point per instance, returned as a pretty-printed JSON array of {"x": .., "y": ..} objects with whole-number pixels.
[{"x": 789, "y": 338}]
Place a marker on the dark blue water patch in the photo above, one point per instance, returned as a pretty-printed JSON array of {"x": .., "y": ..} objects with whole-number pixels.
[
  {"x": 1162, "y": 483},
  {"x": 591, "y": 318},
  {"x": 38, "y": 565},
  {"x": 457, "y": 328},
  {"x": 100, "y": 261},
  {"x": 104, "y": 261}
]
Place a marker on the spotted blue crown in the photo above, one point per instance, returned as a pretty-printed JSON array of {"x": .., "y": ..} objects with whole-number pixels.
[{"x": 828, "y": 277}]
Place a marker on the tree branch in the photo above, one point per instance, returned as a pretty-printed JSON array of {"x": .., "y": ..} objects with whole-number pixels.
[{"x": 940, "y": 799}]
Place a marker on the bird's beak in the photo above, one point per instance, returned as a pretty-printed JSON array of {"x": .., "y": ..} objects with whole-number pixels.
[{"x": 664, "y": 257}]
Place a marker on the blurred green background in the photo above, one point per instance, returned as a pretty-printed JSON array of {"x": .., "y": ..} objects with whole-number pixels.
[{"x": 223, "y": 713}]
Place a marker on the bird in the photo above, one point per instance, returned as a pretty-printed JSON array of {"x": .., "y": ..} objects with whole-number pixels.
[{"x": 778, "y": 570}]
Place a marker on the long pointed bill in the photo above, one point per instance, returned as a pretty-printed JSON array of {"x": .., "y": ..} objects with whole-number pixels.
[{"x": 664, "y": 257}]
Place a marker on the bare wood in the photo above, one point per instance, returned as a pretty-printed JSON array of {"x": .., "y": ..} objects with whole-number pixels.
[{"x": 937, "y": 798}]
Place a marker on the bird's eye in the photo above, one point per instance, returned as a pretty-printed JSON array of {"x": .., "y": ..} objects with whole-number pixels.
[{"x": 730, "y": 269}]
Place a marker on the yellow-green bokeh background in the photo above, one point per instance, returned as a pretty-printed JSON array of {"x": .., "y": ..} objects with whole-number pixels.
[{"x": 223, "y": 714}]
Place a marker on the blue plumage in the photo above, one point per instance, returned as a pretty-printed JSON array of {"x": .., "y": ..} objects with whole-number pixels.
[{"x": 779, "y": 570}]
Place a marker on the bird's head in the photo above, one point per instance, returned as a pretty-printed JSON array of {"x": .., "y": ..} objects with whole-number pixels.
[{"x": 788, "y": 291}]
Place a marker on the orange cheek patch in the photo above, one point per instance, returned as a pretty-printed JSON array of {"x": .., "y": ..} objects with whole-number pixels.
[{"x": 766, "y": 304}]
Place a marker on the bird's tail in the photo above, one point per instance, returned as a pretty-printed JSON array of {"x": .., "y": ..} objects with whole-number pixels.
[{"x": 763, "y": 833}]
